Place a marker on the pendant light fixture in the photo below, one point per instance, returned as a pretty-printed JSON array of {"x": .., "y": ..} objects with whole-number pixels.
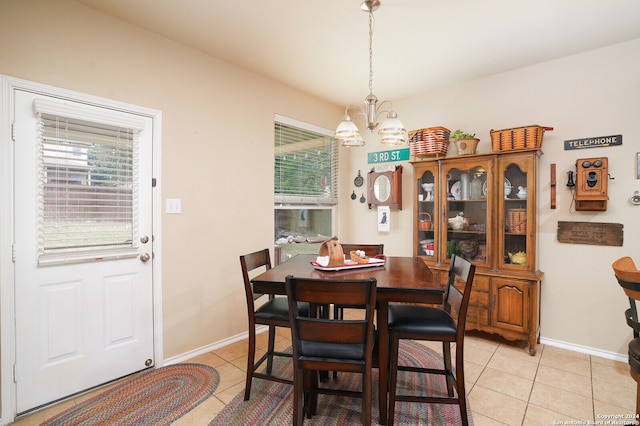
[{"x": 391, "y": 130}]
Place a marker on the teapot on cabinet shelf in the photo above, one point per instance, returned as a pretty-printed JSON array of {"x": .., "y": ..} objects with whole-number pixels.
[{"x": 522, "y": 192}]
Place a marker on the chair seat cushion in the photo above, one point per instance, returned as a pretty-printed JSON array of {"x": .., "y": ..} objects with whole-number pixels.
[
  {"x": 278, "y": 309},
  {"x": 338, "y": 351},
  {"x": 634, "y": 354},
  {"x": 420, "y": 320}
]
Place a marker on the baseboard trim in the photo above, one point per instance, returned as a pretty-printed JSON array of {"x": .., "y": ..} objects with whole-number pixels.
[
  {"x": 184, "y": 357},
  {"x": 585, "y": 350}
]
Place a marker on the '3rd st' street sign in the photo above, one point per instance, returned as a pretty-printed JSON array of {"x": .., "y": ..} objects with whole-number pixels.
[{"x": 387, "y": 156}]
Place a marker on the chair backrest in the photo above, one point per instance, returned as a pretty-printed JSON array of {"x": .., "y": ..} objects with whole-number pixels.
[
  {"x": 249, "y": 263},
  {"x": 460, "y": 270},
  {"x": 369, "y": 249},
  {"x": 628, "y": 277},
  {"x": 314, "y": 336}
]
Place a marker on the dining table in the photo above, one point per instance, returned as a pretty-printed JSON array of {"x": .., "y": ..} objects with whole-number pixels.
[{"x": 399, "y": 279}]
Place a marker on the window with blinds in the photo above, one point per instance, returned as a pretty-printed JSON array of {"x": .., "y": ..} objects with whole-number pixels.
[
  {"x": 305, "y": 180},
  {"x": 305, "y": 166},
  {"x": 87, "y": 192}
]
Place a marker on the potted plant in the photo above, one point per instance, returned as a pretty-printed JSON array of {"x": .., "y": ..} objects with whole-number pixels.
[{"x": 466, "y": 143}]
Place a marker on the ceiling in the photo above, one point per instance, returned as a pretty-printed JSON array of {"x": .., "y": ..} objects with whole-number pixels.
[{"x": 322, "y": 48}]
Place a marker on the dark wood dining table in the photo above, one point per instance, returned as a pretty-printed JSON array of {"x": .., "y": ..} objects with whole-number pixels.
[{"x": 400, "y": 279}]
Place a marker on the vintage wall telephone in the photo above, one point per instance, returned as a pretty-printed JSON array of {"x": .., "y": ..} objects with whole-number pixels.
[{"x": 591, "y": 185}]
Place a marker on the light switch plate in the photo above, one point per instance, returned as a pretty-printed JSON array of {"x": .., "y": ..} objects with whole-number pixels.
[{"x": 174, "y": 205}]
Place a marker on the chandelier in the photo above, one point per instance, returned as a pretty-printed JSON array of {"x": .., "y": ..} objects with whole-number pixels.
[{"x": 391, "y": 130}]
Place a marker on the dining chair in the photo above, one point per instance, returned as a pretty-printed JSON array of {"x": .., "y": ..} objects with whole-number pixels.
[
  {"x": 321, "y": 343},
  {"x": 274, "y": 312},
  {"x": 628, "y": 277},
  {"x": 446, "y": 324}
]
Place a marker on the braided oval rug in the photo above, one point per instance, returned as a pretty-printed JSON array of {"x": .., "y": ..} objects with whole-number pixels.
[
  {"x": 156, "y": 397},
  {"x": 271, "y": 403}
]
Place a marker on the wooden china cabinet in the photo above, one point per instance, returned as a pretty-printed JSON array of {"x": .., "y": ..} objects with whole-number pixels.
[{"x": 483, "y": 207}]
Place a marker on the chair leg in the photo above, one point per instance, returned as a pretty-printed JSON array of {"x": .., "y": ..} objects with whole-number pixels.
[
  {"x": 251, "y": 356},
  {"x": 638, "y": 400},
  {"x": 271, "y": 347},
  {"x": 366, "y": 397},
  {"x": 298, "y": 398},
  {"x": 460, "y": 387},
  {"x": 394, "y": 342},
  {"x": 446, "y": 356}
]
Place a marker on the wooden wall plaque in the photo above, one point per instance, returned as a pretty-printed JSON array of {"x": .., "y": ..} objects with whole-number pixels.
[{"x": 594, "y": 233}]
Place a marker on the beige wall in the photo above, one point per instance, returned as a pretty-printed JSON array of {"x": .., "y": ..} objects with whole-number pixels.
[
  {"x": 593, "y": 94},
  {"x": 217, "y": 146},
  {"x": 217, "y": 136}
]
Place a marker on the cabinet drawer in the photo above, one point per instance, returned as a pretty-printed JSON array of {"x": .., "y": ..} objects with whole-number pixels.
[
  {"x": 477, "y": 316},
  {"x": 478, "y": 298}
]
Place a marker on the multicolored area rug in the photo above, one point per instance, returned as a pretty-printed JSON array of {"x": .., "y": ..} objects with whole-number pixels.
[
  {"x": 157, "y": 397},
  {"x": 271, "y": 403}
]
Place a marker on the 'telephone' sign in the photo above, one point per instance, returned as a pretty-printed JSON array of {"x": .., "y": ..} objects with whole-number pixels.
[{"x": 387, "y": 156}]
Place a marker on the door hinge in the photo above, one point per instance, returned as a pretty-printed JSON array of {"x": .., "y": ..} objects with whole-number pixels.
[
  {"x": 13, "y": 131},
  {"x": 153, "y": 182},
  {"x": 15, "y": 373},
  {"x": 13, "y": 252}
]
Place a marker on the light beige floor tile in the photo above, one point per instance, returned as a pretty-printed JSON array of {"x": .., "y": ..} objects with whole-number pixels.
[
  {"x": 230, "y": 376},
  {"x": 561, "y": 360},
  {"x": 504, "y": 362},
  {"x": 209, "y": 359},
  {"x": 480, "y": 420},
  {"x": 613, "y": 372},
  {"x": 227, "y": 395},
  {"x": 563, "y": 402},
  {"x": 613, "y": 393},
  {"x": 518, "y": 352},
  {"x": 477, "y": 356},
  {"x": 232, "y": 351},
  {"x": 564, "y": 380},
  {"x": 554, "y": 350},
  {"x": 507, "y": 384},
  {"x": 538, "y": 416},
  {"x": 497, "y": 406},
  {"x": 472, "y": 371},
  {"x": 603, "y": 411},
  {"x": 473, "y": 341}
]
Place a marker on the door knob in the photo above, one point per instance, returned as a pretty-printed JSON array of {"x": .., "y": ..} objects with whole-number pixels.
[
  {"x": 145, "y": 257},
  {"x": 144, "y": 239}
]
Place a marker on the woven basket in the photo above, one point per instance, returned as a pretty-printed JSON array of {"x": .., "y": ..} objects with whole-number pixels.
[
  {"x": 517, "y": 138},
  {"x": 424, "y": 223},
  {"x": 517, "y": 221},
  {"x": 466, "y": 146},
  {"x": 432, "y": 141}
]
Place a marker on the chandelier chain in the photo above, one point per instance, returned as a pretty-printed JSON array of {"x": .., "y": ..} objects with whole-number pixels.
[{"x": 370, "y": 52}]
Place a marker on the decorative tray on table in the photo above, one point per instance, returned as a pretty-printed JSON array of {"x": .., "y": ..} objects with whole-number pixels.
[{"x": 350, "y": 264}]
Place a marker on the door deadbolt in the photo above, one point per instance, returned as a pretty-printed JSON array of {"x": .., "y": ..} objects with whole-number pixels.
[{"x": 145, "y": 257}]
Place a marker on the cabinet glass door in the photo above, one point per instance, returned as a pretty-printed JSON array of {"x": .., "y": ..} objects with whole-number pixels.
[
  {"x": 426, "y": 213},
  {"x": 517, "y": 219},
  {"x": 468, "y": 203}
]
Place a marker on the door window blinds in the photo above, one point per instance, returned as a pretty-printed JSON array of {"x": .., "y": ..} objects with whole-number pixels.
[{"x": 87, "y": 185}]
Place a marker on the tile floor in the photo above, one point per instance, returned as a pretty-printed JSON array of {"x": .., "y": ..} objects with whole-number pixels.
[{"x": 505, "y": 385}]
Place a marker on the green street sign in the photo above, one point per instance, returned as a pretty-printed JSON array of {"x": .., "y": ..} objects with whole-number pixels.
[{"x": 401, "y": 154}]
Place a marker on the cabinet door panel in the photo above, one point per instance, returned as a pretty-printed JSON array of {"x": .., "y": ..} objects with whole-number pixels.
[
  {"x": 510, "y": 309},
  {"x": 467, "y": 222}
]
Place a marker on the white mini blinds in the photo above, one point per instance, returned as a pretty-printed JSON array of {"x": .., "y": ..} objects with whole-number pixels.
[{"x": 87, "y": 195}]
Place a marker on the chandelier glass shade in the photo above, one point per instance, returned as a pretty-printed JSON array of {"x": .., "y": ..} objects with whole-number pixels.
[{"x": 392, "y": 131}]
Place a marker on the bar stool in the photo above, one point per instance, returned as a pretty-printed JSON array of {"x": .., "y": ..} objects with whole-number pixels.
[{"x": 628, "y": 277}]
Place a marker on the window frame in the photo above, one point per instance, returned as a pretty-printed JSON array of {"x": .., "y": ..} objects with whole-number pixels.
[{"x": 293, "y": 202}]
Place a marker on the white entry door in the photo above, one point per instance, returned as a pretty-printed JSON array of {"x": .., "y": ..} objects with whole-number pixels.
[{"x": 83, "y": 247}]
